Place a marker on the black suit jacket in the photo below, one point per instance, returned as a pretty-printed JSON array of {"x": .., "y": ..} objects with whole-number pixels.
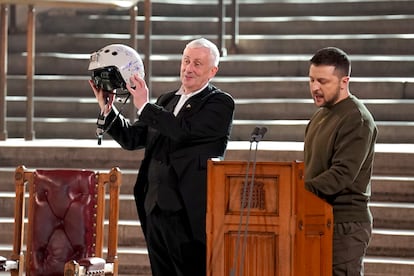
[{"x": 200, "y": 131}]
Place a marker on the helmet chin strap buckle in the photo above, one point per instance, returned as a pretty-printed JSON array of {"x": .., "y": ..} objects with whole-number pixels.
[
  {"x": 100, "y": 130},
  {"x": 100, "y": 136}
]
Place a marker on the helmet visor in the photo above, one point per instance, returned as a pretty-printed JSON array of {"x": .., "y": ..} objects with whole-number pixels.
[{"x": 108, "y": 79}]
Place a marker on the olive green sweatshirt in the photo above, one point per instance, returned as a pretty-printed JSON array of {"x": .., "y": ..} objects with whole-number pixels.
[{"x": 339, "y": 154}]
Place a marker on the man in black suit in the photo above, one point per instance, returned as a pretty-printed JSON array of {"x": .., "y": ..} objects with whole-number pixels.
[{"x": 179, "y": 132}]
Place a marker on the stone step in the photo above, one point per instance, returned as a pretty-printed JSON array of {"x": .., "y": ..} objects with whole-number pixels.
[
  {"x": 390, "y": 159},
  {"x": 389, "y": 215},
  {"x": 392, "y": 189},
  {"x": 68, "y": 153},
  {"x": 393, "y": 215},
  {"x": 242, "y": 65},
  {"x": 374, "y": 44},
  {"x": 396, "y": 243},
  {"x": 392, "y": 243},
  {"x": 317, "y": 24},
  {"x": 388, "y": 266},
  {"x": 356, "y": 44},
  {"x": 386, "y": 210},
  {"x": 246, "y": 109},
  {"x": 135, "y": 258},
  {"x": 239, "y": 86},
  {"x": 395, "y": 189},
  {"x": 302, "y": 109},
  {"x": 134, "y": 261},
  {"x": 128, "y": 178},
  {"x": 294, "y": 65},
  {"x": 266, "y": 8},
  {"x": 204, "y": 25},
  {"x": 293, "y": 130},
  {"x": 385, "y": 241},
  {"x": 278, "y": 130},
  {"x": 139, "y": 264},
  {"x": 63, "y": 155}
]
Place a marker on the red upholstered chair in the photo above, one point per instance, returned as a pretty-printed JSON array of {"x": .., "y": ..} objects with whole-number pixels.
[{"x": 65, "y": 229}]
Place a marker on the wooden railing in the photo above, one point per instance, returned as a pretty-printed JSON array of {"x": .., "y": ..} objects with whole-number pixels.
[
  {"x": 124, "y": 4},
  {"x": 234, "y": 29}
]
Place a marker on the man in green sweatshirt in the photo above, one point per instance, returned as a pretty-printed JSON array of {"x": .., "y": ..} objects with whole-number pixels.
[{"x": 339, "y": 154}]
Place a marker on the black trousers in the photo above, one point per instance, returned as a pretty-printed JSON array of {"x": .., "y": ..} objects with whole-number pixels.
[
  {"x": 350, "y": 243},
  {"x": 172, "y": 250}
]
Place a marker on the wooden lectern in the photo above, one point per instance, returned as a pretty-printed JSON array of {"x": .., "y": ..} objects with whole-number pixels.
[{"x": 289, "y": 229}]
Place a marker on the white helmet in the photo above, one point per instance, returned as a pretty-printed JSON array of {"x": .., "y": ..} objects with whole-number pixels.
[{"x": 114, "y": 65}]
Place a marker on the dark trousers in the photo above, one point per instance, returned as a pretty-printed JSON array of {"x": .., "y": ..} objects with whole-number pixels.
[
  {"x": 172, "y": 251},
  {"x": 350, "y": 243}
]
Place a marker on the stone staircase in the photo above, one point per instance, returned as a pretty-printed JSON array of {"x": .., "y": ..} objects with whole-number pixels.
[
  {"x": 272, "y": 62},
  {"x": 267, "y": 77},
  {"x": 390, "y": 252}
]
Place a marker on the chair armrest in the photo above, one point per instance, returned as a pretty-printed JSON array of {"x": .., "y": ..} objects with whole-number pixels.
[
  {"x": 92, "y": 263},
  {"x": 7, "y": 265},
  {"x": 85, "y": 266},
  {"x": 2, "y": 263}
]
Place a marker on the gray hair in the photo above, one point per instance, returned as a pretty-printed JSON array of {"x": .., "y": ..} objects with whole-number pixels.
[{"x": 205, "y": 43}]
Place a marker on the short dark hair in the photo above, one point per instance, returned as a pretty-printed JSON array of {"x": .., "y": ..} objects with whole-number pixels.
[{"x": 334, "y": 57}]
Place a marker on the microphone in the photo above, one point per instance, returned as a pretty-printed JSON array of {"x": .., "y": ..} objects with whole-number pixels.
[
  {"x": 261, "y": 134},
  {"x": 258, "y": 134},
  {"x": 254, "y": 134}
]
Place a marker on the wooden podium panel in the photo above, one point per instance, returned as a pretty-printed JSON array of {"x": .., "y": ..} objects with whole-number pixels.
[{"x": 289, "y": 229}]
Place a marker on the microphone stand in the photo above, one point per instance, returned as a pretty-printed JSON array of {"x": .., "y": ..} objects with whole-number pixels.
[{"x": 256, "y": 136}]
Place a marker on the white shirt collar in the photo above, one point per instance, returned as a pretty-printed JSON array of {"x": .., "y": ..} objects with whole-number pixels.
[
  {"x": 181, "y": 91},
  {"x": 185, "y": 97}
]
